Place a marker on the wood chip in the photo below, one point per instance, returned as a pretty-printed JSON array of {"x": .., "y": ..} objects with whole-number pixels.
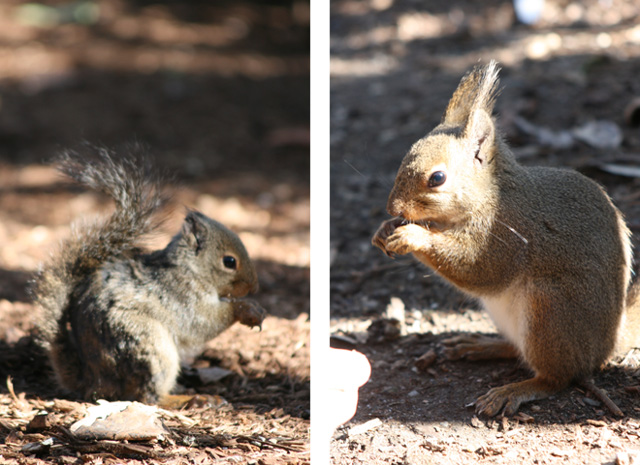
[
  {"x": 524, "y": 418},
  {"x": 476, "y": 422},
  {"x": 64, "y": 405},
  {"x": 426, "y": 360},
  {"x": 432, "y": 445},
  {"x": 598, "y": 423},
  {"x": 37, "y": 448},
  {"x": 504, "y": 424},
  {"x": 560, "y": 453},
  {"x": 39, "y": 423},
  {"x": 363, "y": 428},
  {"x": 19, "y": 402}
]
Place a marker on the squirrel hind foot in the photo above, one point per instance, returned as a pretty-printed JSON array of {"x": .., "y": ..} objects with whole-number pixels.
[{"x": 508, "y": 398}]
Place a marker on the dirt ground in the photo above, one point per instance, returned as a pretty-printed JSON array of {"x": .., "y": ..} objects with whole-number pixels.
[
  {"x": 219, "y": 92},
  {"x": 394, "y": 65}
]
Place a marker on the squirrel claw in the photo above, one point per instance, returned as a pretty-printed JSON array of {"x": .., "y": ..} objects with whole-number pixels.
[
  {"x": 385, "y": 230},
  {"x": 378, "y": 242},
  {"x": 496, "y": 401},
  {"x": 507, "y": 398}
]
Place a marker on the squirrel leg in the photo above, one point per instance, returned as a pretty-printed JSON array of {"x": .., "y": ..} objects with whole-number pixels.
[
  {"x": 509, "y": 397},
  {"x": 478, "y": 347},
  {"x": 143, "y": 369},
  {"x": 156, "y": 356},
  {"x": 553, "y": 353}
]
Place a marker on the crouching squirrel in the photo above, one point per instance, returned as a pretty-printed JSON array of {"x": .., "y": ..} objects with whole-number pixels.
[
  {"x": 116, "y": 319},
  {"x": 544, "y": 250}
]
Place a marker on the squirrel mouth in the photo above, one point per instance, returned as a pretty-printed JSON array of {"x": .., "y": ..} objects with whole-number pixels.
[
  {"x": 424, "y": 223},
  {"x": 429, "y": 225}
]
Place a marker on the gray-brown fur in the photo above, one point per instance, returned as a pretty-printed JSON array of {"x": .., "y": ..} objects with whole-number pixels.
[
  {"x": 117, "y": 319},
  {"x": 545, "y": 250}
]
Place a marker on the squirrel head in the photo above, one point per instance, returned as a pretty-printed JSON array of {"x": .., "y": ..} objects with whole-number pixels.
[
  {"x": 448, "y": 173},
  {"x": 216, "y": 252}
]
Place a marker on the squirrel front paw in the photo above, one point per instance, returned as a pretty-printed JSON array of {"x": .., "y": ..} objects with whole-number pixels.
[
  {"x": 385, "y": 230},
  {"x": 249, "y": 312},
  {"x": 407, "y": 238}
]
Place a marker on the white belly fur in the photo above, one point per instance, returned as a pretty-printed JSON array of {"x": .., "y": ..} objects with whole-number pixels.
[
  {"x": 508, "y": 310},
  {"x": 188, "y": 353}
]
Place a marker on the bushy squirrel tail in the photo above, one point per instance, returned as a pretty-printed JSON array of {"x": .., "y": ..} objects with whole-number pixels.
[{"x": 138, "y": 197}]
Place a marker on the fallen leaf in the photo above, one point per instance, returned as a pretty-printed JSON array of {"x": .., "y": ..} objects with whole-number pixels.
[{"x": 120, "y": 421}]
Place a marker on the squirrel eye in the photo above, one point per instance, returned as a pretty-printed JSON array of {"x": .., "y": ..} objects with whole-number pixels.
[
  {"x": 437, "y": 179},
  {"x": 229, "y": 262}
]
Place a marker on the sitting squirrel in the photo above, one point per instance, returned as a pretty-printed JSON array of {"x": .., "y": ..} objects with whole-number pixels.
[
  {"x": 116, "y": 319},
  {"x": 544, "y": 250}
]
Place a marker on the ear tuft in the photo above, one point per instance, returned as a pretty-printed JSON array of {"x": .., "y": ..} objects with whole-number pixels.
[{"x": 477, "y": 91}]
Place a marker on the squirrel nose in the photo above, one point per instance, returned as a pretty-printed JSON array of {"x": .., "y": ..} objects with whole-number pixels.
[
  {"x": 393, "y": 210},
  {"x": 390, "y": 209},
  {"x": 255, "y": 288}
]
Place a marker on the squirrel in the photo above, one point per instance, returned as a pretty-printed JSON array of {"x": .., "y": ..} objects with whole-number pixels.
[
  {"x": 544, "y": 250},
  {"x": 117, "y": 319}
]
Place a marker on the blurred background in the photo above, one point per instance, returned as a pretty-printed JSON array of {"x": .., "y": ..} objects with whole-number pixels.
[{"x": 218, "y": 92}]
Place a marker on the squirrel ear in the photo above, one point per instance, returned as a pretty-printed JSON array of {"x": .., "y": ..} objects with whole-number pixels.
[
  {"x": 477, "y": 91},
  {"x": 194, "y": 231},
  {"x": 480, "y": 132}
]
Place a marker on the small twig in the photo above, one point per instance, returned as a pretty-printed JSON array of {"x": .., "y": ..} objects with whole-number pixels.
[
  {"x": 602, "y": 397},
  {"x": 262, "y": 442}
]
